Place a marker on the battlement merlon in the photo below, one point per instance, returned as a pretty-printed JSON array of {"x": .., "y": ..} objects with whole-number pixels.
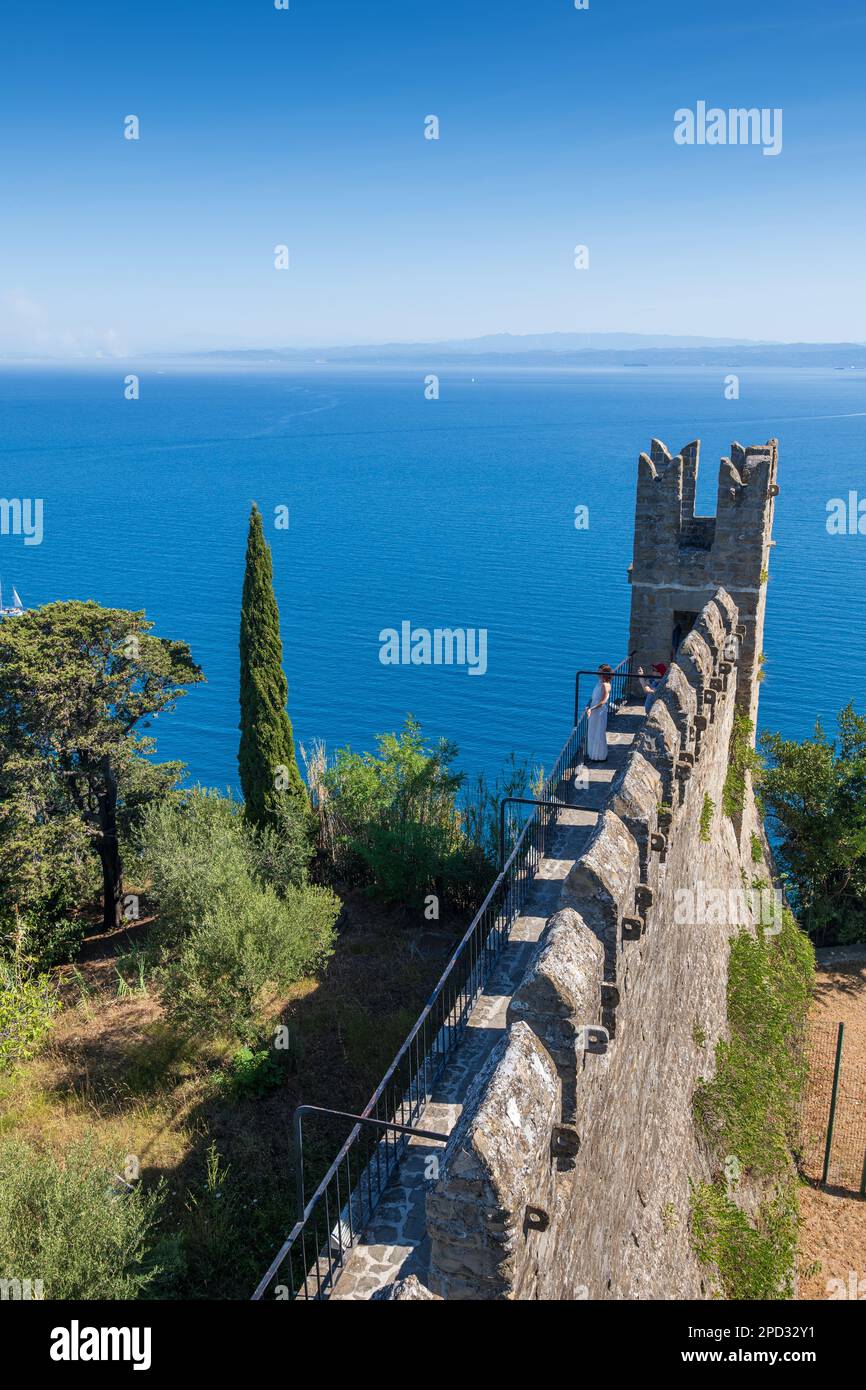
[{"x": 667, "y": 484}]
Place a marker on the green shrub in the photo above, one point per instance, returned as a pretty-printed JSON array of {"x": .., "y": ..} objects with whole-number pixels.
[
  {"x": 707, "y": 812},
  {"x": 249, "y": 943},
  {"x": 814, "y": 793},
  {"x": 253, "y": 1073},
  {"x": 28, "y": 1004},
  {"x": 392, "y": 820},
  {"x": 71, "y": 1225},
  {"x": 742, "y": 759},
  {"x": 393, "y": 816},
  {"x": 194, "y": 853},
  {"x": 753, "y": 1261},
  {"x": 279, "y": 853},
  {"x": 200, "y": 849},
  {"x": 749, "y": 1108},
  {"x": 748, "y": 1112},
  {"x": 47, "y": 872}
]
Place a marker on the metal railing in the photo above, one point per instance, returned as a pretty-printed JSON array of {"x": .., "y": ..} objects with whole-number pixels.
[{"x": 311, "y": 1259}]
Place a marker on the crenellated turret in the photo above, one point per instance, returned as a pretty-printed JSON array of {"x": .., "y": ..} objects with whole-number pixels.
[{"x": 680, "y": 559}]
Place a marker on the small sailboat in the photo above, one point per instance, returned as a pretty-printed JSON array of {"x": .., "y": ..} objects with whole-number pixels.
[{"x": 13, "y": 610}]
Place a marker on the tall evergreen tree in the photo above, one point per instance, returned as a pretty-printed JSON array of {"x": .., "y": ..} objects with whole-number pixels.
[
  {"x": 76, "y": 683},
  {"x": 266, "y": 758}
]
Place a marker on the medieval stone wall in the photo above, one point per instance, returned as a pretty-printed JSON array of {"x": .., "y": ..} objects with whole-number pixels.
[{"x": 567, "y": 1175}]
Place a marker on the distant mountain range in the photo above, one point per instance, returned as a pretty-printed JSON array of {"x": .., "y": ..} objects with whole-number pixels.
[{"x": 564, "y": 350}]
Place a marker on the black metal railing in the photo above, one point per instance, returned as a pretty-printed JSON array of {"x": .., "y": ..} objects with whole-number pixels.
[{"x": 314, "y": 1254}]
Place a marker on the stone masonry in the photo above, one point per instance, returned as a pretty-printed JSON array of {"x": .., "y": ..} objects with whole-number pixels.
[
  {"x": 680, "y": 559},
  {"x": 572, "y": 1143}
]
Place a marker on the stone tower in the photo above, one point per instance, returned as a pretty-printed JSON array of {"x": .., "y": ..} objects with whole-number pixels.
[{"x": 680, "y": 559}]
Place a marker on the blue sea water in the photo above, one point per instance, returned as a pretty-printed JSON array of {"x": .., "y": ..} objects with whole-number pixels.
[{"x": 450, "y": 513}]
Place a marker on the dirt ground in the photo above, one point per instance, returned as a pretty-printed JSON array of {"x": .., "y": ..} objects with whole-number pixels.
[{"x": 833, "y": 1221}]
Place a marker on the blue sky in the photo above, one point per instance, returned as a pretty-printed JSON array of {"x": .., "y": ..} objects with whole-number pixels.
[{"x": 305, "y": 127}]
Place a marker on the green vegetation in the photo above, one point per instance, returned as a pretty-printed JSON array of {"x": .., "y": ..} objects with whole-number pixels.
[
  {"x": 266, "y": 758},
  {"x": 707, "y": 812},
  {"x": 244, "y": 954},
  {"x": 238, "y": 920},
  {"x": 391, "y": 821},
  {"x": 742, "y": 759},
  {"x": 756, "y": 848},
  {"x": 218, "y": 942},
  {"x": 747, "y": 1112},
  {"x": 28, "y": 1004},
  {"x": 75, "y": 682},
  {"x": 753, "y": 1261},
  {"x": 253, "y": 1073},
  {"x": 74, "y": 1225},
  {"x": 814, "y": 795}
]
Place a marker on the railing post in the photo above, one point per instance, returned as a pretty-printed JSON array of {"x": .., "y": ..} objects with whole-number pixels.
[
  {"x": 831, "y": 1119},
  {"x": 523, "y": 801}
]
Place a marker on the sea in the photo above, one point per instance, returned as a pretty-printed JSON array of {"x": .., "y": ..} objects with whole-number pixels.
[{"x": 385, "y": 507}]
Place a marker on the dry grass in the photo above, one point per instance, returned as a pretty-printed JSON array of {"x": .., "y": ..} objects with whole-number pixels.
[
  {"x": 833, "y": 1222},
  {"x": 114, "y": 1069}
]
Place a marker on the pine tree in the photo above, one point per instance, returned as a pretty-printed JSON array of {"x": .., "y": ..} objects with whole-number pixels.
[{"x": 266, "y": 758}]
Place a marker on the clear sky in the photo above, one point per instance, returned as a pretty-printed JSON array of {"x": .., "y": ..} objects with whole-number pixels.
[{"x": 306, "y": 127}]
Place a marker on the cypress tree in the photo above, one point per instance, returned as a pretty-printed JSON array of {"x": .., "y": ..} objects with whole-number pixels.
[{"x": 266, "y": 758}]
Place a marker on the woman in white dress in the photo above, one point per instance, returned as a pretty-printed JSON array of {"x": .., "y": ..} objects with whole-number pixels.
[{"x": 596, "y": 718}]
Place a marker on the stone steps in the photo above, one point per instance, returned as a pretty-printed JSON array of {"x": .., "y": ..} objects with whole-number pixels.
[{"x": 395, "y": 1244}]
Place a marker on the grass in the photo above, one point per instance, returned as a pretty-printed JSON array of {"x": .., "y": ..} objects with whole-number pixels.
[
  {"x": 207, "y": 1123},
  {"x": 74, "y": 1226},
  {"x": 742, "y": 759},
  {"x": 753, "y": 1261},
  {"x": 748, "y": 1111},
  {"x": 707, "y": 813}
]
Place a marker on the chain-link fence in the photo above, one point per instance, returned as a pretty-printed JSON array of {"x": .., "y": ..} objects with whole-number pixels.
[{"x": 833, "y": 1113}]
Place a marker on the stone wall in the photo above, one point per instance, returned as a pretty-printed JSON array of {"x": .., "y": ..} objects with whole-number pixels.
[
  {"x": 681, "y": 559},
  {"x": 567, "y": 1176}
]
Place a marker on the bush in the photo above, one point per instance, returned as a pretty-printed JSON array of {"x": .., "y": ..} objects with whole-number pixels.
[
  {"x": 754, "y": 1262},
  {"x": 749, "y": 1108},
  {"x": 71, "y": 1226},
  {"x": 200, "y": 849},
  {"x": 194, "y": 852},
  {"x": 234, "y": 908},
  {"x": 814, "y": 794},
  {"x": 27, "y": 1008},
  {"x": 253, "y": 1073},
  {"x": 392, "y": 819},
  {"x": 250, "y": 944},
  {"x": 742, "y": 759},
  {"x": 280, "y": 852},
  {"x": 748, "y": 1113},
  {"x": 47, "y": 872}
]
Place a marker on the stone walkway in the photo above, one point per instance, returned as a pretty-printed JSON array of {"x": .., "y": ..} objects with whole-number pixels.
[{"x": 395, "y": 1243}]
